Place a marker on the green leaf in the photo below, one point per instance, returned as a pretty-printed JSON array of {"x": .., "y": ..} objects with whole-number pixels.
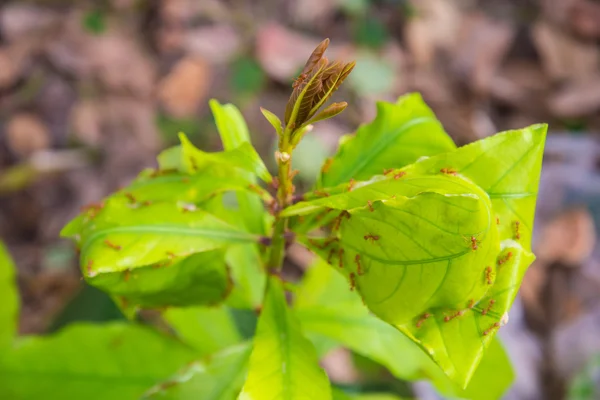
[
  {"x": 507, "y": 166},
  {"x": 493, "y": 376},
  {"x": 399, "y": 135},
  {"x": 152, "y": 187},
  {"x": 327, "y": 308},
  {"x": 85, "y": 361},
  {"x": 234, "y": 133},
  {"x": 9, "y": 298},
  {"x": 429, "y": 258},
  {"x": 246, "y": 265},
  {"x": 283, "y": 364},
  {"x": 218, "y": 378},
  {"x": 158, "y": 254},
  {"x": 243, "y": 157},
  {"x": 126, "y": 235},
  {"x": 273, "y": 120},
  {"x": 248, "y": 274},
  {"x": 207, "y": 329},
  {"x": 329, "y": 112},
  {"x": 199, "y": 279},
  {"x": 339, "y": 394}
]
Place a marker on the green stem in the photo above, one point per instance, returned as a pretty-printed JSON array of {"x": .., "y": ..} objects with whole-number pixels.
[{"x": 284, "y": 161}]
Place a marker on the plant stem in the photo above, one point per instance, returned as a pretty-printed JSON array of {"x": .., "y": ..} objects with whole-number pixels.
[{"x": 284, "y": 161}]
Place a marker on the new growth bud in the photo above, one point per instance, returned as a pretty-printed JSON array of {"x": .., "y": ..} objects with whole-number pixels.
[{"x": 319, "y": 79}]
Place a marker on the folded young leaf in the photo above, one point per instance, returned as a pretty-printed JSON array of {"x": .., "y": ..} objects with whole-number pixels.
[
  {"x": 85, "y": 361},
  {"x": 399, "y": 135},
  {"x": 200, "y": 279},
  {"x": 124, "y": 235},
  {"x": 404, "y": 254},
  {"x": 218, "y": 378},
  {"x": 507, "y": 166},
  {"x": 341, "y": 395},
  {"x": 283, "y": 364},
  {"x": 326, "y": 308},
  {"x": 9, "y": 298},
  {"x": 273, "y": 120},
  {"x": 421, "y": 262},
  {"x": 207, "y": 329},
  {"x": 188, "y": 159},
  {"x": 234, "y": 133}
]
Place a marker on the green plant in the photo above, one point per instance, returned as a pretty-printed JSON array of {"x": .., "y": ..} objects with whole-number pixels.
[{"x": 433, "y": 239}]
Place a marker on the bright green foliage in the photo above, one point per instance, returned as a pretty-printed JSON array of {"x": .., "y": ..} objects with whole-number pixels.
[
  {"x": 283, "y": 364},
  {"x": 234, "y": 133},
  {"x": 326, "y": 308},
  {"x": 8, "y": 298},
  {"x": 431, "y": 252},
  {"x": 399, "y": 135},
  {"x": 244, "y": 261},
  {"x": 113, "y": 361},
  {"x": 248, "y": 275},
  {"x": 207, "y": 329},
  {"x": 154, "y": 244},
  {"x": 273, "y": 120},
  {"x": 433, "y": 239},
  {"x": 340, "y": 395},
  {"x": 218, "y": 378}
]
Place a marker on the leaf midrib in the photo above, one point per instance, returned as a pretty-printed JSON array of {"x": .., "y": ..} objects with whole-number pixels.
[{"x": 235, "y": 236}]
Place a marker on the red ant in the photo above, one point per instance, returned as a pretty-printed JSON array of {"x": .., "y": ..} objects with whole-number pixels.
[
  {"x": 422, "y": 320},
  {"x": 351, "y": 185},
  {"x": 341, "y": 260},
  {"x": 130, "y": 197},
  {"x": 359, "y": 270},
  {"x": 399, "y": 175},
  {"x": 496, "y": 325},
  {"x": 489, "y": 307},
  {"x": 387, "y": 171},
  {"x": 517, "y": 233},
  {"x": 449, "y": 318},
  {"x": 352, "y": 281},
  {"x": 370, "y": 204},
  {"x": 327, "y": 165},
  {"x": 448, "y": 171},
  {"x": 475, "y": 242},
  {"x": 88, "y": 267},
  {"x": 330, "y": 256},
  {"x": 371, "y": 237},
  {"x": 112, "y": 245},
  {"x": 506, "y": 258},
  {"x": 488, "y": 275}
]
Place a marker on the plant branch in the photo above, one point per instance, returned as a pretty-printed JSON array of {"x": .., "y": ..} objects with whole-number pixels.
[{"x": 284, "y": 191}]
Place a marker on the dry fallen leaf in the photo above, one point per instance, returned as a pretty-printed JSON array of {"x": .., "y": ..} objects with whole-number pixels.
[
  {"x": 565, "y": 57},
  {"x": 26, "y": 134},
  {"x": 182, "y": 90},
  {"x": 484, "y": 43},
  {"x": 217, "y": 43},
  {"x": 585, "y": 18},
  {"x": 569, "y": 239},
  {"x": 282, "y": 53},
  {"x": 435, "y": 27},
  {"x": 577, "y": 99}
]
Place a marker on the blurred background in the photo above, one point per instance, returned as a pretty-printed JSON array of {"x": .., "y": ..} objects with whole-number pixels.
[{"x": 91, "y": 91}]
